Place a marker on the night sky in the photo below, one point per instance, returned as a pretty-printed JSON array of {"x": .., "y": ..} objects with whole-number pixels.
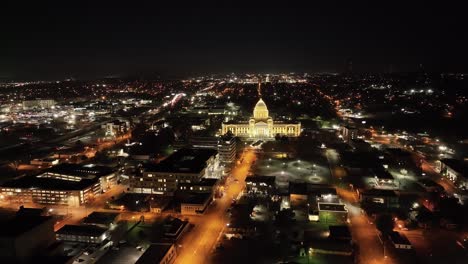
[{"x": 46, "y": 40}]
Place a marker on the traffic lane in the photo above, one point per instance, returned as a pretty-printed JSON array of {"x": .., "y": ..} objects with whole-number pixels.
[
  {"x": 366, "y": 236},
  {"x": 198, "y": 244}
]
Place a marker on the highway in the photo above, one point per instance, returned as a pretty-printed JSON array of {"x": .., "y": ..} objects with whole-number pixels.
[{"x": 201, "y": 240}]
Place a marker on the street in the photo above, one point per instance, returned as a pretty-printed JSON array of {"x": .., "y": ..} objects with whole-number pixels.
[{"x": 199, "y": 243}]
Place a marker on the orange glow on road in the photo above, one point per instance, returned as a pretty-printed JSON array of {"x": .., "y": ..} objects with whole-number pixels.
[{"x": 199, "y": 243}]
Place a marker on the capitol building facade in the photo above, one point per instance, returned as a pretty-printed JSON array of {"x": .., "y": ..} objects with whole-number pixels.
[{"x": 261, "y": 125}]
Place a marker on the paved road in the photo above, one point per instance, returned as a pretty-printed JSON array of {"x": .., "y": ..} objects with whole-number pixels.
[{"x": 198, "y": 244}]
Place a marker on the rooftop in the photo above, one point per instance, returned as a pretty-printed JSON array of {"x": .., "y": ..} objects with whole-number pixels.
[
  {"x": 81, "y": 170},
  {"x": 379, "y": 192},
  {"x": 172, "y": 227},
  {"x": 20, "y": 224},
  {"x": 398, "y": 238},
  {"x": 33, "y": 182},
  {"x": 196, "y": 198},
  {"x": 185, "y": 160},
  {"x": 100, "y": 218},
  {"x": 206, "y": 182},
  {"x": 82, "y": 230},
  {"x": 154, "y": 254}
]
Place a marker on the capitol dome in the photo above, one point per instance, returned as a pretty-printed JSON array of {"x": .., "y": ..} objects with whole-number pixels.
[{"x": 260, "y": 110}]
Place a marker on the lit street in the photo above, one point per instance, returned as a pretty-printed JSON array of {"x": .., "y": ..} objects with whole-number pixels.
[{"x": 198, "y": 244}]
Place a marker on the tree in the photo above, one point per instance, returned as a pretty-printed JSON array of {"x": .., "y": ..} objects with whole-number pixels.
[{"x": 384, "y": 223}]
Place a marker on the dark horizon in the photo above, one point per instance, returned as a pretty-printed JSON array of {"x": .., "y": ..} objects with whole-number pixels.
[{"x": 62, "y": 40}]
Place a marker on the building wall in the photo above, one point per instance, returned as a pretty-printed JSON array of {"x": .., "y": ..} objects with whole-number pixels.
[
  {"x": 82, "y": 238},
  {"x": 272, "y": 129},
  {"x": 165, "y": 183},
  {"x": 170, "y": 256},
  {"x": 52, "y": 197},
  {"x": 191, "y": 209}
]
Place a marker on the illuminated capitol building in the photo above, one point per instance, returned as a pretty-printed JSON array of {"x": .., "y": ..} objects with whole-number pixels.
[{"x": 261, "y": 125}]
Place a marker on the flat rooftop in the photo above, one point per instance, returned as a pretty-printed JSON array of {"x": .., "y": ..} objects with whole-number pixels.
[
  {"x": 154, "y": 254},
  {"x": 186, "y": 160},
  {"x": 81, "y": 230},
  {"x": 33, "y": 182},
  {"x": 20, "y": 224},
  {"x": 379, "y": 192},
  {"x": 172, "y": 227},
  {"x": 195, "y": 198},
  {"x": 100, "y": 218},
  {"x": 398, "y": 238},
  {"x": 81, "y": 170}
]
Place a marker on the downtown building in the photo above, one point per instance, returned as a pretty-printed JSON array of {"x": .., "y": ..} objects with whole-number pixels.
[
  {"x": 64, "y": 184},
  {"x": 185, "y": 166},
  {"x": 225, "y": 145}
]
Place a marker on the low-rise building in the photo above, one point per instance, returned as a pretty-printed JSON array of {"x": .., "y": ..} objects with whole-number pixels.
[
  {"x": 91, "y": 234},
  {"x": 174, "y": 228},
  {"x": 379, "y": 197},
  {"x": 159, "y": 203},
  {"x": 183, "y": 166},
  {"x": 25, "y": 237},
  {"x": 160, "y": 253},
  {"x": 64, "y": 184},
  {"x": 455, "y": 170},
  {"x": 102, "y": 219},
  {"x": 195, "y": 203},
  {"x": 399, "y": 240}
]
